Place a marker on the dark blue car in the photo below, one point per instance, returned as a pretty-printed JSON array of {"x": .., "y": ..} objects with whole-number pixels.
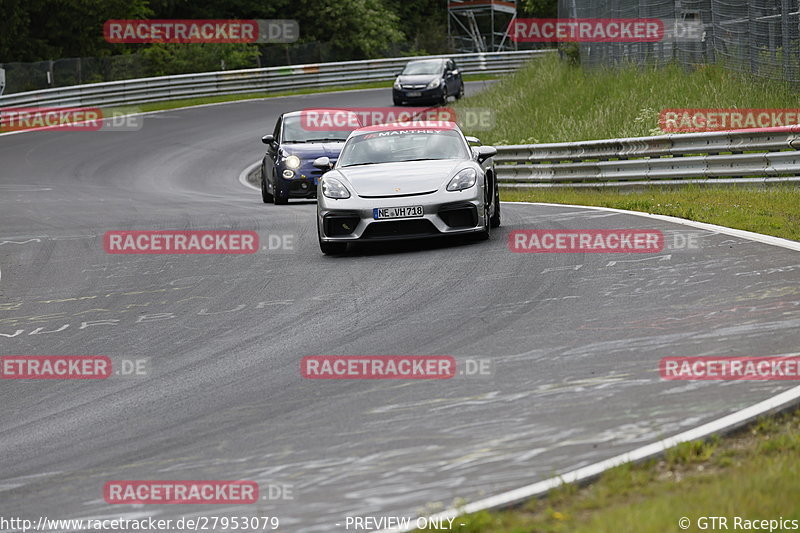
[{"x": 299, "y": 139}]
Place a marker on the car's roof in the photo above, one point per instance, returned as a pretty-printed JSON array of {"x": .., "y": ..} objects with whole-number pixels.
[
  {"x": 318, "y": 110},
  {"x": 414, "y": 125},
  {"x": 434, "y": 60}
]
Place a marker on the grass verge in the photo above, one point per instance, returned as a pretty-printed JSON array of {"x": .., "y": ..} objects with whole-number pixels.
[
  {"x": 773, "y": 210},
  {"x": 551, "y": 101},
  {"x": 753, "y": 474}
]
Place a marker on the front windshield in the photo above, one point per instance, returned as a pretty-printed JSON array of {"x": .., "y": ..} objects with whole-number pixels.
[
  {"x": 422, "y": 67},
  {"x": 403, "y": 145},
  {"x": 296, "y": 131}
]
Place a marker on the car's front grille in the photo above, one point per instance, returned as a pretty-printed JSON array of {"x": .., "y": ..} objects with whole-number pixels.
[
  {"x": 400, "y": 228},
  {"x": 414, "y": 86},
  {"x": 459, "y": 216}
]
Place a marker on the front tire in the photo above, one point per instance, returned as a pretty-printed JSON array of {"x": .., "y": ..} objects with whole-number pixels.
[
  {"x": 460, "y": 94},
  {"x": 265, "y": 196},
  {"x": 495, "y": 220},
  {"x": 486, "y": 232},
  {"x": 444, "y": 95}
]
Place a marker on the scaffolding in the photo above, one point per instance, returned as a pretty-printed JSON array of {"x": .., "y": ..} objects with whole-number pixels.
[{"x": 481, "y": 25}]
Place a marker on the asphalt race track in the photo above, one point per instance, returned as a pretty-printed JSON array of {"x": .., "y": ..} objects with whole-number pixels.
[{"x": 574, "y": 339}]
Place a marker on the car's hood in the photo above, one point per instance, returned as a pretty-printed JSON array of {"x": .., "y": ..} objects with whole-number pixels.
[
  {"x": 400, "y": 179},
  {"x": 417, "y": 79},
  {"x": 313, "y": 150}
]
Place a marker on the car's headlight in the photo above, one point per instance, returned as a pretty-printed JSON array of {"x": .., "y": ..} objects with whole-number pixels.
[
  {"x": 333, "y": 188},
  {"x": 435, "y": 83},
  {"x": 463, "y": 180},
  {"x": 292, "y": 162},
  {"x": 396, "y": 83}
]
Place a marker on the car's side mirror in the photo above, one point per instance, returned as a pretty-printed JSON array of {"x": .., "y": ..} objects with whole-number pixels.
[
  {"x": 322, "y": 163},
  {"x": 472, "y": 140},
  {"x": 455, "y": 72},
  {"x": 485, "y": 152},
  {"x": 268, "y": 139}
]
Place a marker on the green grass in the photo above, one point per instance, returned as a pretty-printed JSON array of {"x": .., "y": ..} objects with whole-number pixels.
[
  {"x": 771, "y": 210},
  {"x": 550, "y": 101},
  {"x": 754, "y": 474}
]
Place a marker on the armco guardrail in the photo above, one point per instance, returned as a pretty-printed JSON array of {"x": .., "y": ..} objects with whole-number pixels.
[
  {"x": 272, "y": 79},
  {"x": 765, "y": 154}
]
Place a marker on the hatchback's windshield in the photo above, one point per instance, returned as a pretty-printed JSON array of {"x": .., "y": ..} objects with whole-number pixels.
[
  {"x": 422, "y": 67},
  {"x": 403, "y": 145},
  {"x": 296, "y": 130}
]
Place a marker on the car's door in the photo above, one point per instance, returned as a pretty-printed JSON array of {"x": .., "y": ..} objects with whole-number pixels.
[
  {"x": 450, "y": 77},
  {"x": 459, "y": 80},
  {"x": 271, "y": 157}
]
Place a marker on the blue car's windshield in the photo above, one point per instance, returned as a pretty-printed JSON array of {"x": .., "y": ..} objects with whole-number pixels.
[
  {"x": 422, "y": 67},
  {"x": 297, "y": 130},
  {"x": 403, "y": 145}
]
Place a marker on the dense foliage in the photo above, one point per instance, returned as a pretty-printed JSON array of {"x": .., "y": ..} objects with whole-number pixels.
[{"x": 36, "y": 30}]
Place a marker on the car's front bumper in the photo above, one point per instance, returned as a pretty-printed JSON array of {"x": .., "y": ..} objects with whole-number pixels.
[
  {"x": 444, "y": 213},
  {"x": 420, "y": 95}
]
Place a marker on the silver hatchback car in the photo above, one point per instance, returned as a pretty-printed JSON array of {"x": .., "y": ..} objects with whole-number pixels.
[{"x": 406, "y": 181}]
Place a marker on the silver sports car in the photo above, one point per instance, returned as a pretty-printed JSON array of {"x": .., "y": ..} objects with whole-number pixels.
[{"x": 406, "y": 181}]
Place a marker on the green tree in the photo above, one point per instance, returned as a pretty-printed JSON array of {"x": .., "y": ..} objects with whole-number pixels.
[{"x": 359, "y": 28}]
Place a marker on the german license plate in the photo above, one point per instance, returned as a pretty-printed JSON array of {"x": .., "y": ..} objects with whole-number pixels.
[
  {"x": 412, "y": 94},
  {"x": 413, "y": 211}
]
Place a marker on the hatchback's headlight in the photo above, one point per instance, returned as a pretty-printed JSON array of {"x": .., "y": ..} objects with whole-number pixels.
[
  {"x": 396, "y": 83},
  {"x": 333, "y": 188},
  {"x": 435, "y": 83},
  {"x": 292, "y": 162},
  {"x": 463, "y": 180}
]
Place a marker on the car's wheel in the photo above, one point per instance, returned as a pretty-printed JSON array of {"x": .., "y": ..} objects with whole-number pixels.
[
  {"x": 486, "y": 232},
  {"x": 331, "y": 248},
  {"x": 460, "y": 94},
  {"x": 265, "y": 196},
  {"x": 444, "y": 95},
  {"x": 397, "y": 102},
  {"x": 495, "y": 220}
]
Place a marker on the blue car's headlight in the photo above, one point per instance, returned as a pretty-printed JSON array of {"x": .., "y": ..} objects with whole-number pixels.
[
  {"x": 463, "y": 180},
  {"x": 333, "y": 188},
  {"x": 292, "y": 162},
  {"x": 435, "y": 83},
  {"x": 396, "y": 83}
]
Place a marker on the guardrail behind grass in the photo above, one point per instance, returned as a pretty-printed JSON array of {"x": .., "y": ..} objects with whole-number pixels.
[
  {"x": 745, "y": 156},
  {"x": 261, "y": 80}
]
